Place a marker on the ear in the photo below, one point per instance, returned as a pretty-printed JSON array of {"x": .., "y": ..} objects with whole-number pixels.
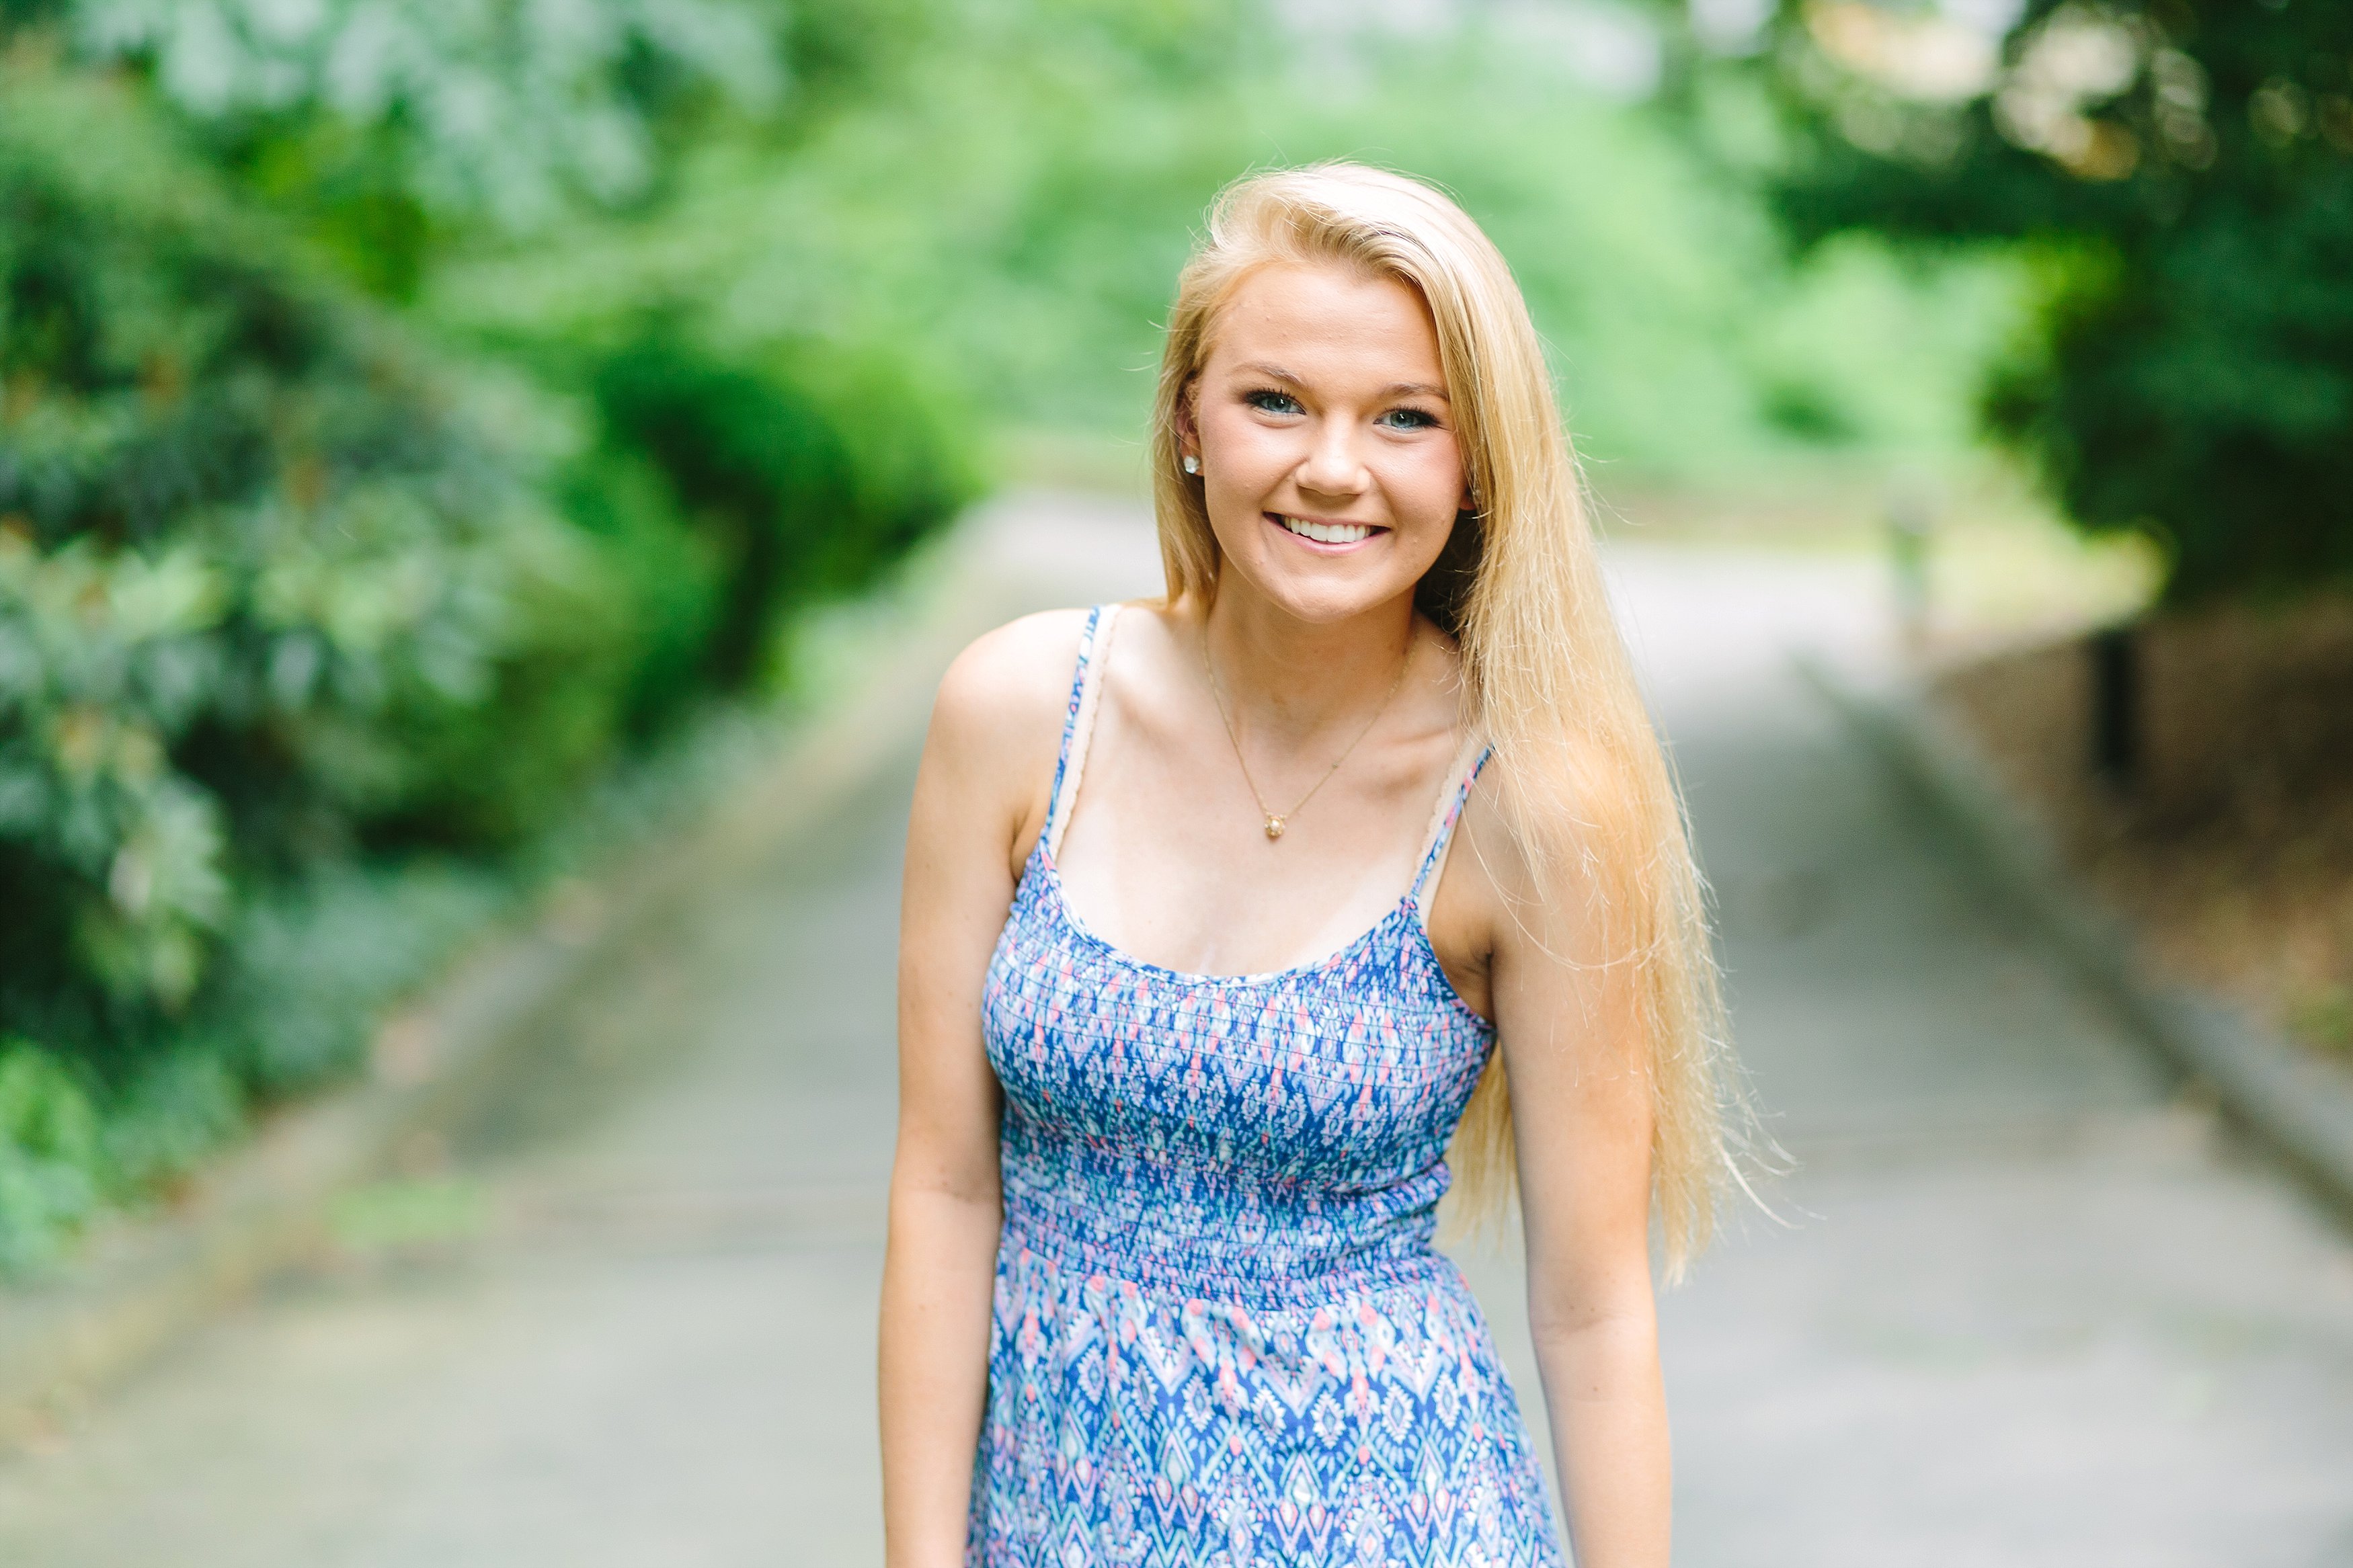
[{"x": 1188, "y": 431}]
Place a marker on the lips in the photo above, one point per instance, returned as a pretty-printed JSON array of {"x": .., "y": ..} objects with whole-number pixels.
[{"x": 1324, "y": 533}]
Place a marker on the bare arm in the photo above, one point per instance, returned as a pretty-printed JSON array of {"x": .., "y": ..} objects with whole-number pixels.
[
  {"x": 1581, "y": 1119},
  {"x": 979, "y": 800}
]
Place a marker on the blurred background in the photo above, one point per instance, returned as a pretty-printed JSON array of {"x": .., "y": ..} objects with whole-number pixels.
[{"x": 446, "y": 445}]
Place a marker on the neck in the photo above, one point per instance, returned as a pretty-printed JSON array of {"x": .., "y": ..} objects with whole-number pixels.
[{"x": 1294, "y": 676}]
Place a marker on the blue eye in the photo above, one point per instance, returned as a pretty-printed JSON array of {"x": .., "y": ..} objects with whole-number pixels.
[
  {"x": 1271, "y": 400},
  {"x": 1411, "y": 419}
]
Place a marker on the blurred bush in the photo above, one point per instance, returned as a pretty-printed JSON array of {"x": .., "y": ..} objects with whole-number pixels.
[
  {"x": 2182, "y": 174},
  {"x": 262, "y": 577},
  {"x": 1011, "y": 194},
  {"x": 309, "y": 625},
  {"x": 780, "y": 479},
  {"x": 50, "y": 1155},
  {"x": 390, "y": 128},
  {"x": 268, "y": 595}
]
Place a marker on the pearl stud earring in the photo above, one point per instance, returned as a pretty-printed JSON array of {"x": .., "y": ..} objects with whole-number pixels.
[{"x": 1192, "y": 464}]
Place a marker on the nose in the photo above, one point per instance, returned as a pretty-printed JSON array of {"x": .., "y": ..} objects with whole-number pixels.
[{"x": 1332, "y": 467}]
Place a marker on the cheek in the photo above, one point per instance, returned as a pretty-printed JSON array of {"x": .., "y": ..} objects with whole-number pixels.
[
  {"x": 1425, "y": 484},
  {"x": 1244, "y": 452},
  {"x": 1245, "y": 463}
]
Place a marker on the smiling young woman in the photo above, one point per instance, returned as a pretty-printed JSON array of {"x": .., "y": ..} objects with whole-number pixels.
[{"x": 1194, "y": 999}]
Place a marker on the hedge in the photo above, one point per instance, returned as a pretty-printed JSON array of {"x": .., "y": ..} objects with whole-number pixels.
[{"x": 308, "y": 626}]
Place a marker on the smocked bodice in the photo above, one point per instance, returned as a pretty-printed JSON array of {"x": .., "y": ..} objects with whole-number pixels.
[{"x": 1244, "y": 1136}]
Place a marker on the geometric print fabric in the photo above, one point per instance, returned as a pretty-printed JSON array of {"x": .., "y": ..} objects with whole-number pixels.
[{"x": 1220, "y": 1334}]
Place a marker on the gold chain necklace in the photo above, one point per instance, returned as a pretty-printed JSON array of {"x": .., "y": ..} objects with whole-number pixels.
[{"x": 1275, "y": 820}]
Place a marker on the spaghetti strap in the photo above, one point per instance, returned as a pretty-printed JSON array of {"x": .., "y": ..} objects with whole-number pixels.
[
  {"x": 1442, "y": 835},
  {"x": 1078, "y": 724}
]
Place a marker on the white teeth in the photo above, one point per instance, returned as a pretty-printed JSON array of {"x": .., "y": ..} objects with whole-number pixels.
[{"x": 1328, "y": 533}]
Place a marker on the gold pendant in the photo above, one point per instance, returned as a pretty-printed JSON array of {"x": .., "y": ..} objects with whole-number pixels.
[{"x": 1273, "y": 826}]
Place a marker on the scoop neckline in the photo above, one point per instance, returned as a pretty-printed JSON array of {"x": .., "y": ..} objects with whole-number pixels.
[{"x": 1408, "y": 904}]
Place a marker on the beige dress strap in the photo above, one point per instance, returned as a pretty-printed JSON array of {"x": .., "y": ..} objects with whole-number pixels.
[
  {"x": 1095, "y": 654},
  {"x": 1460, "y": 775}
]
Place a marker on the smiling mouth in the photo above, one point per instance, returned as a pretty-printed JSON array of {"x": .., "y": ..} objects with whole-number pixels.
[{"x": 1326, "y": 533}]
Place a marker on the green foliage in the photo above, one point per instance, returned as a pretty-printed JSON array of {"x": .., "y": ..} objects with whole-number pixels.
[
  {"x": 179, "y": 1108},
  {"x": 269, "y": 591},
  {"x": 2183, "y": 174},
  {"x": 50, "y": 1156},
  {"x": 386, "y": 126},
  {"x": 673, "y": 571},
  {"x": 306, "y": 630},
  {"x": 1011, "y": 203},
  {"x": 312, "y": 962},
  {"x": 801, "y": 474},
  {"x": 254, "y": 570}
]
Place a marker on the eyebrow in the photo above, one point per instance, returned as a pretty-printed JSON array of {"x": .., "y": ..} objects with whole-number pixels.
[{"x": 1395, "y": 388}]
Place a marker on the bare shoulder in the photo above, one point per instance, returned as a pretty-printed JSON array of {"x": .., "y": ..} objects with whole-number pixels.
[
  {"x": 1588, "y": 811},
  {"x": 997, "y": 726},
  {"x": 1011, "y": 685}
]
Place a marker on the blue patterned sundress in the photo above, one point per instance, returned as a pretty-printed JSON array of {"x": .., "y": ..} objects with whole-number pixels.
[{"x": 1220, "y": 1334}]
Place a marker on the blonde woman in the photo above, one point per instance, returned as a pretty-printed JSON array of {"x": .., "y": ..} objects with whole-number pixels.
[{"x": 1226, "y": 915}]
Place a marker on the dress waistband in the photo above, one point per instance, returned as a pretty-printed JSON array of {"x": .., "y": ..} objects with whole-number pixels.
[{"x": 1202, "y": 1239}]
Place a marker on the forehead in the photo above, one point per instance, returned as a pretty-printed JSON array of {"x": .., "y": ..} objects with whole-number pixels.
[{"x": 1330, "y": 320}]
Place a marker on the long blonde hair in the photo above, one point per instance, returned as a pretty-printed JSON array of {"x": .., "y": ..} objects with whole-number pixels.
[{"x": 1584, "y": 786}]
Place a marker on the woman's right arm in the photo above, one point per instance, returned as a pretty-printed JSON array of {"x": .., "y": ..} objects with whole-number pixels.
[{"x": 979, "y": 801}]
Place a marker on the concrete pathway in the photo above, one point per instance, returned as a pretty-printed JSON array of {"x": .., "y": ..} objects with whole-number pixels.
[
  {"x": 2026, "y": 1307},
  {"x": 2030, "y": 1310}
]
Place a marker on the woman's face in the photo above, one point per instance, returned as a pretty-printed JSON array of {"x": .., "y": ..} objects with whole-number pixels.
[{"x": 1327, "y": 448}]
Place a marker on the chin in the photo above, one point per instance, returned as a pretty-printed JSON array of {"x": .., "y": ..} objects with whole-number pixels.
[{"x": 1328, "y": 598}]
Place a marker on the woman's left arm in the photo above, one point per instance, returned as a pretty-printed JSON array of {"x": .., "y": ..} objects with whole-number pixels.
[{"x": 1577, "y": 1066}]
